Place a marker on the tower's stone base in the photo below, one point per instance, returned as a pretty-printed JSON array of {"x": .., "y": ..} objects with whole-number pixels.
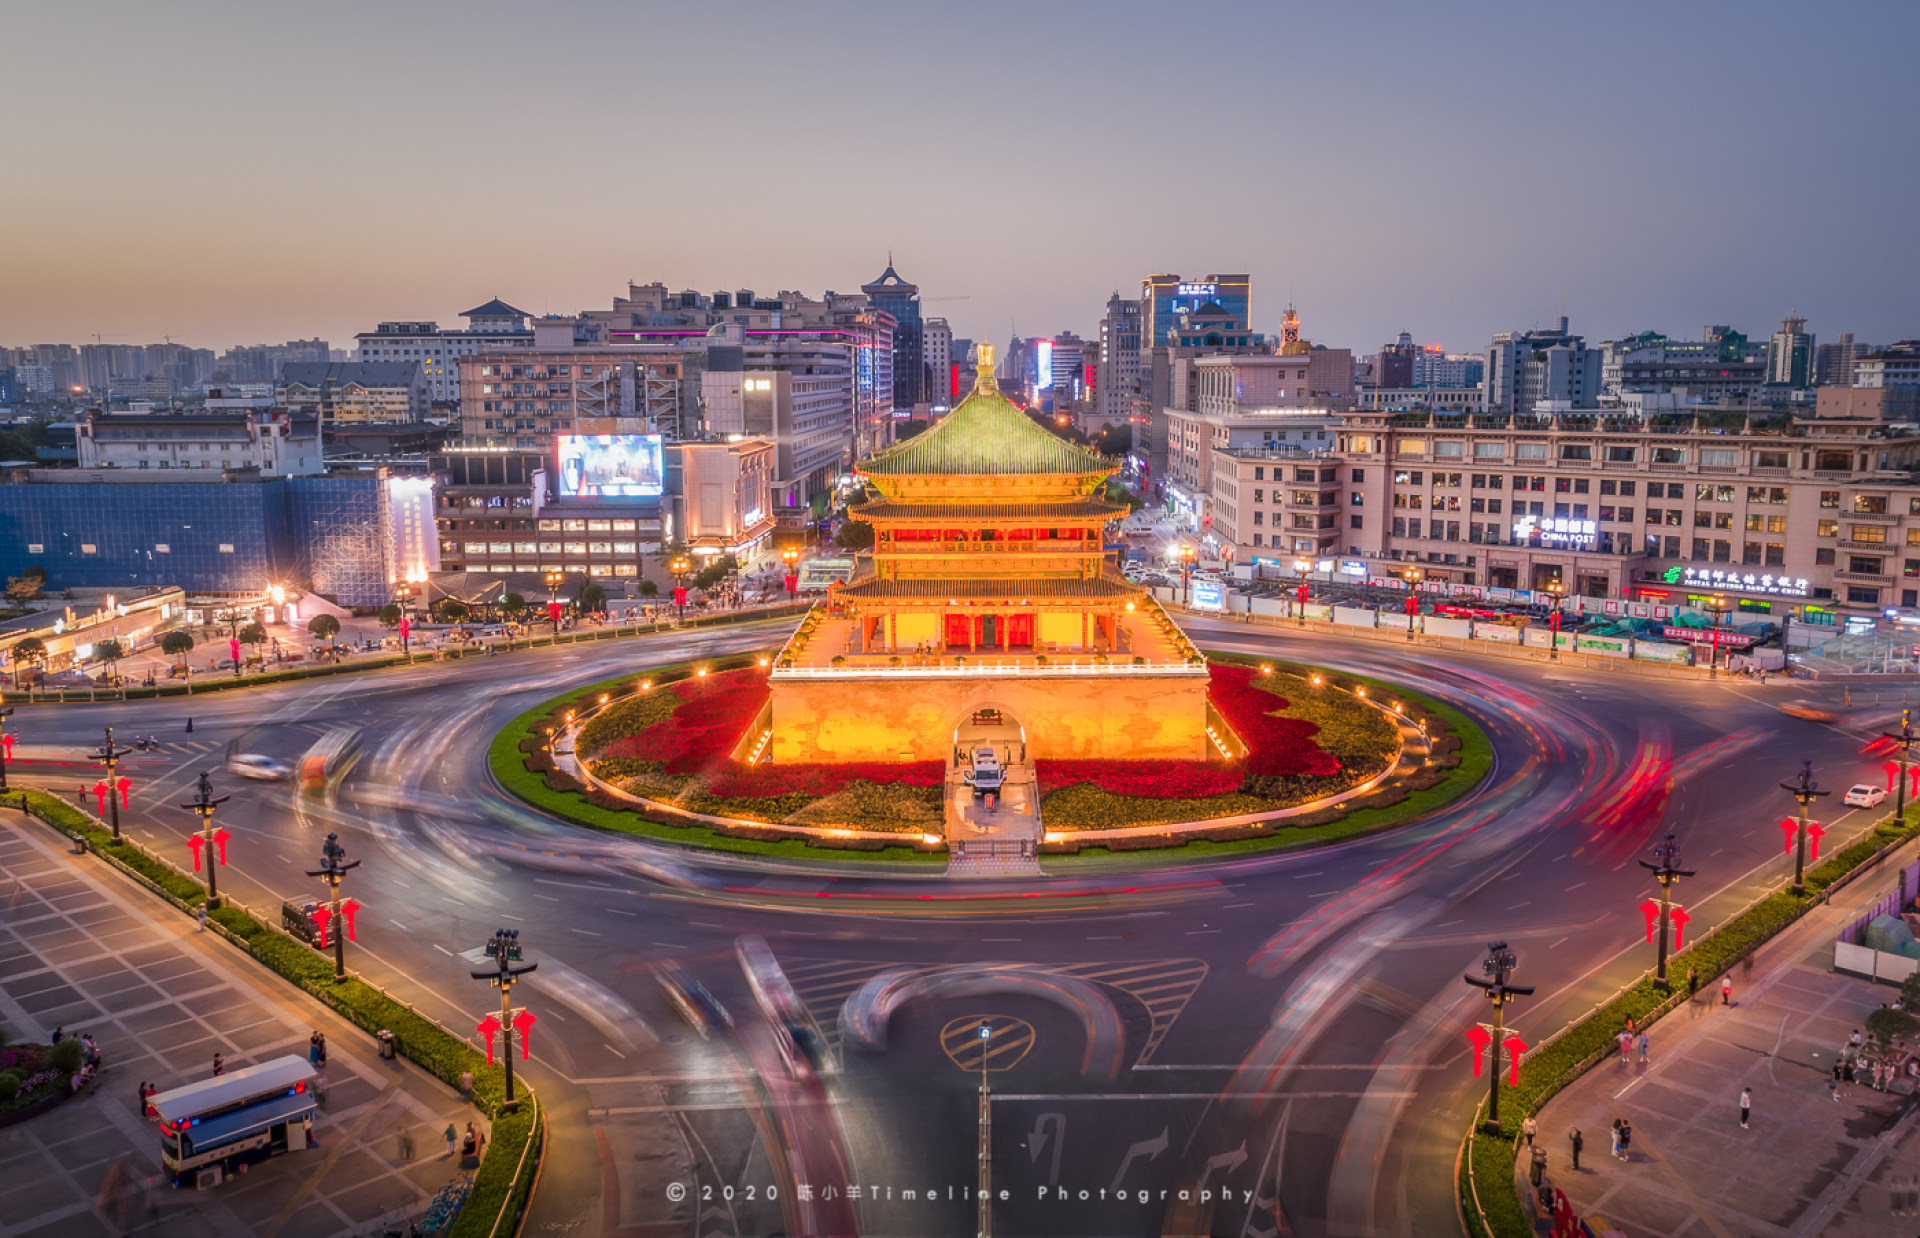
[{"x": 890, "y": 718}]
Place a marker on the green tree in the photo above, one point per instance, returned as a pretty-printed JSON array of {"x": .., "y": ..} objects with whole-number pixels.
[
  {"x": 253, "y": 634},
  {"x": 715, "y": 572},
  {"x": 1888, "y": 1025},
  {"x": 648, "y": 589},
  {"x": 109, "y": 651},
  {"x": 23, "y": 588},
  {"x": 326, "y": 627},
  {"x": 854, "y": 535},
  {"x": 66, "y": 1055},
  {"x": 593, "y": 597},
  {"x": 452, "y": 610},
  {"x": 389, "y": 616},
  {"x": 176, "y": 644},
  {"x": 513, "y": 606},
  {"x": 30, "y": 651},
  {"x": 1910, "y": 991}
]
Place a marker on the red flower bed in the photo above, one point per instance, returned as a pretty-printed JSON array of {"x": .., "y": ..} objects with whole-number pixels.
[
  {"x": 714, "y": 712},
  {"x": 1276, "y": 746}
]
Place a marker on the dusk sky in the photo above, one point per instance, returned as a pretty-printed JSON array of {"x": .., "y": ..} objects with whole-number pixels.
[{"x": 228, "y": 173}]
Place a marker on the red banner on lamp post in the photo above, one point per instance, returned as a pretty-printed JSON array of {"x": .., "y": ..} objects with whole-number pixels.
[
  {"x": 523, "y": 1023},
  {"x": 487, "y": 1027},
  {"x": 1651, "y": 910},
  {"x": 220, "y": 838},
  {"x": 349, "y": 909},
  {"x": 194, "y": 843},
  {"x": 1679, "y": 918},
  {"x": 1515, "y": 1047},
  {"x": 1479, "y": 1037}
]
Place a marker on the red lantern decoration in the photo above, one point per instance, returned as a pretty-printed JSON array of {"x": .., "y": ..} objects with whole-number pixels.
[
  {"x": 406, "y": 627},
  {"x": 1679, "y": 918},
  {"x": 1515, "y": 1047},
  {"x": 194, "y": 843},
  {"x": 349, "y": 909},
  {"x": 1651, "y": 910},
  {"x": 124, "y": 787},
  {"x": 6, "y": 751},
  {"x": 1892, "y": 771},
  {"x": 220, "y": 840},
  {"x": 487, "y": 1027},
  {"x": 553, "y": 612},
  {"x": 1479, "y": 1037},
  {"x": 523, "y": 1023}
]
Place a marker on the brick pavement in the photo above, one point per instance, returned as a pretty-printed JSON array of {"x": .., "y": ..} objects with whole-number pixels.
[
  {"x": 1806, "y": 1166},
  {"x": 82, "y": 947}
]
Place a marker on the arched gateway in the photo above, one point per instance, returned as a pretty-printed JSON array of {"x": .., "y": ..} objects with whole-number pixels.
[{"x": 988, "y": 582}]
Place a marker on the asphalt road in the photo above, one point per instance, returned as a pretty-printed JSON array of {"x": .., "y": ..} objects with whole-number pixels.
[{"x": 1293, "y": 1027}]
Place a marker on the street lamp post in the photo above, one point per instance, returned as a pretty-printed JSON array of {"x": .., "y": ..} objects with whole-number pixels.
[
  {"x": 1554, "y": 590},
  {"x": 1715, "y": 606},
  {"x": 791, "y": 557},
  {"x": 1498, "y": 965},
  {"x": 1904, "y": 739},
  {"x": 1301, "y": 567},
  {"x": 333, "y": 866},
  {"x": 1667, "y": 871},
  {"x": 680, "y": 567},
  {"x": 1186, "y": 574},
  {"x": 204, "y": 803},
  {"x": 554, "y": 580},
  {"x": 109, "y": 755},
  {"x": 1805, "y": 790},
  {"x": 1413, "y": 575},
  {"x": 504, "y": 950},
  {"x": 6, "y": 746}
]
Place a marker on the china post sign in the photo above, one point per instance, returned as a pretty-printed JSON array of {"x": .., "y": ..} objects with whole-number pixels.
[{"x": 1209, "y": 595}]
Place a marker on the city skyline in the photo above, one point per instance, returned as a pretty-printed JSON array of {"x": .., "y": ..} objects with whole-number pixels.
[{"x": 1356, "y": 173}]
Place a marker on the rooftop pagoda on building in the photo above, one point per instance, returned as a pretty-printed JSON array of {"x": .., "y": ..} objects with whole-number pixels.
[{"x": 987, "y": 595}]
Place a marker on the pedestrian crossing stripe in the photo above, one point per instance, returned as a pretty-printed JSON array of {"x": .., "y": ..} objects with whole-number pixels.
[
  {"x": 1162, "y": 986},
  {"x": 1010, "y": 1042}
]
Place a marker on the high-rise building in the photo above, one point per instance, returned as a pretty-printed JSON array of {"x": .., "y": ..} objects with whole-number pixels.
[
  {"x": 1721, "y": 363},
  {"x": 1163, "y": 298},
  {"x": 1833, "y": 363},
  {"x": 1117, "y": 380},
  {"x": 1393, "y": 368},
  {"x": 1525, "y": 368},
  {"x": 901, "y": 299},
  {"x": 937, "y": 348},
  {"x": 262, "y": 363},
  {"x": 1897, "y": 365},
  {"x": 1790, "y": 354}
]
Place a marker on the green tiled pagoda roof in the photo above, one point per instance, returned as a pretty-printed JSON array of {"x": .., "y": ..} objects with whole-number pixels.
[
  {"x": 986, "y": 434},
  {"x": 1065, "y": 509}
]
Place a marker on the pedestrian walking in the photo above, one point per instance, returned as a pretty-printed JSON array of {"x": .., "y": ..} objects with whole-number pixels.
[
  {"x": 1746, "y": 1106},
  {"x": 452, "y": 1136},
  {"x": 313, "y": 1049},
  {"x": 1643, "y": 1048},
  {"x": 219, "y": 1066},
  {"x": 323, "y": 1049},
  {"x": 59, "y": 1034},
  {"x": 141, "y": 1106},
  {"x": 1693, "y": 982},
  {"x": 1528, "y": 1128},
  {"x": 1616, "y": 1139},
  {"x": 1726, "y": 990},
  {"x": 189, "y": 726},
  {"x": 1626, "y": 1139},
  {"x": 1573, "y": 1138},
  {"x": 1537, "y": 1166},
  {"x": 200, "y": 914}
]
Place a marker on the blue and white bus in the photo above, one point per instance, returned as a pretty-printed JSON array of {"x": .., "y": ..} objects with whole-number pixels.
[{"x": 208, "y": 1127}]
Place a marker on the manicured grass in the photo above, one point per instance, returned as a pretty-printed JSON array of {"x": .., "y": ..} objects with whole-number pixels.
[
  {"x": 502, "y": 1180},
  {"x": 1587, "y": 1043}
]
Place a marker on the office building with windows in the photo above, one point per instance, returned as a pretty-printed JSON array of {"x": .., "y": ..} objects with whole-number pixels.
[
  {"x": 902, "y": 300},
  {"x": 493, "y": 325}
]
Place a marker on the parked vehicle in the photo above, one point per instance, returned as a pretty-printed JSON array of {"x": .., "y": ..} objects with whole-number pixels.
[
  {"x": 208, "y": 1128},
  {"x": 986, "y": 774}
]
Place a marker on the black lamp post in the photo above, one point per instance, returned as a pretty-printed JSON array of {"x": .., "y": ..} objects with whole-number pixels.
[
  {"x": 1667, "y": 870},
  {"x": 1498, "y": 964},
  {"x": 109, "y": 755},
  {"x": 1905, "y": 739},
  {"x": 1413, "y": 575},
  {"x": 1186, "y": 574},
  {"x": 333, "y": 866},
  {"x": 1716, "y": 606},
  {"x": 204, "y": 803},
  {"x": 504, "y": 950},
  {"x": 5, "y": 713},
  {"x": 1805, "y": 790},
  {"x": 554, "y": 580},
  {"x": 680, "y": 567}
]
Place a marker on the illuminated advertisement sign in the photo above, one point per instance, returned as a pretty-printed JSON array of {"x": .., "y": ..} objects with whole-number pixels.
[
  {"x": 1707, "y": 636},
  {"x": 611, "y": 465},
  {"x": 1043, "y": 364},
  {"x": 410, "y": 527},
  {"x": 1197, "y": 290},
  {"x": 1556, "y": 531},
  {"x": 1209, "y": 595},
  {"x": 1745, "y": 582}
]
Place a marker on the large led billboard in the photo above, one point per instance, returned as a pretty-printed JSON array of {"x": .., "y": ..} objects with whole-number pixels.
[
  {"x": 611, "y": 465},
  {"x": 1043, "y": 364}
]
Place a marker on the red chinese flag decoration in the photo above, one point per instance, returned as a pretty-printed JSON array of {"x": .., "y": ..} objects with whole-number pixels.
[
  {"x": 1515, "y": 1047},
  {"x": 487, "y": 1027},
  {"x": 349, "y": 909},
  {"x": 679, "y": 595},
  {"x": 1679, "y": 917},
  {"x": 553, "y": 612},
  {"x": 1788, "y": 826},
  {"x": 1892, "y": 772},
  {"x": 1651, "y": 910},
  {"x": 233, "y": 647},
  {"x": 100, "y": 795},
  {"x": 195, "y": 842},
  {"x": 1815, "y": 834},
  {"x": 1913, "y": 775},
  {"x": 406, "y": 627},
  {"x": 320, "y": 916},
  {"x": 793, "y": 586},
  {"x": 1479, "y": 1037},
  {"x": 523, "y": 1023},
  {"x": 220, "y": 840},
  {"x": 125, "y": 787},
  {"x": 6, "y": 743}
]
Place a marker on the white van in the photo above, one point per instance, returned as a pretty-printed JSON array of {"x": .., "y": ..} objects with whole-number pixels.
[{"x": 986, "y": 774}]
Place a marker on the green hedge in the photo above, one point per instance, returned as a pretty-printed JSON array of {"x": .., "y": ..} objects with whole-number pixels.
[
  {"x": 499, "y": 1182},
  {"x": 1586, "y": 1043}
]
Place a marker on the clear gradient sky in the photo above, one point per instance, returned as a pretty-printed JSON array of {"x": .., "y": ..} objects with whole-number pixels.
[{"x": 252, "y": 172}]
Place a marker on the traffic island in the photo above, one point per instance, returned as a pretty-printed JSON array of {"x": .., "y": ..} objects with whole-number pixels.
[{"x": 1300, "y": 757}]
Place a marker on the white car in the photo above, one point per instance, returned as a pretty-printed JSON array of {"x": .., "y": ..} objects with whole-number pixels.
[
  {"x": 1861, "y": 795},
  {"x": 253, "y": 765}
]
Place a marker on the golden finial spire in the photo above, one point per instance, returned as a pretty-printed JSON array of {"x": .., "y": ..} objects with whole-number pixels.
[{"x": 983, "y": 365}]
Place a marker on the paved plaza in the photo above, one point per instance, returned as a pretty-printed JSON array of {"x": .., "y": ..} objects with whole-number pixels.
[
  {"x": 1807, "y": 1165},
  {"x": 84, "y": 949}
]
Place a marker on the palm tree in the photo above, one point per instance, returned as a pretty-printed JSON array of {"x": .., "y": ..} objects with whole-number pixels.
[{"x": 30, "y": 649}]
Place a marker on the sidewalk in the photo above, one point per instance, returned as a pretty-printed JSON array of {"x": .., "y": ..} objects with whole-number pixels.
[
  {"x": 84, "y": 950},
  {"x": 1807, "y": 1165}
]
